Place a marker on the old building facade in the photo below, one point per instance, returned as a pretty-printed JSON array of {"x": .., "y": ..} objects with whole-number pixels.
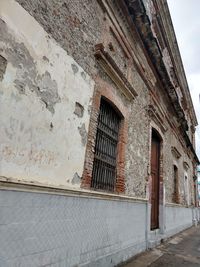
[{"x": 97, "y": 132}]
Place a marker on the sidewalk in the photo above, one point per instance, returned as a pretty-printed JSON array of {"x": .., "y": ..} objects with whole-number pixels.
[{"x": 181, "y": 250}]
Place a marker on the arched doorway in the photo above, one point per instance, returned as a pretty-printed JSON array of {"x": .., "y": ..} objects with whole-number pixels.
[{"x": 155, "y": 176}]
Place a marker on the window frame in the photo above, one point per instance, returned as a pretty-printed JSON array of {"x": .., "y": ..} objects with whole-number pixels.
[
  {"x": 116, "y": 102},
  {"x": 106, "y": 148}
]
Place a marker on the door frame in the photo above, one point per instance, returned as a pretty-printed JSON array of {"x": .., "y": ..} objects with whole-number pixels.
[{"x": 161, "y": 215}]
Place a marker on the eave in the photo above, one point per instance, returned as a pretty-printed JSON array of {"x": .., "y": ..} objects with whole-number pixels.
[
  {"x": 142, "y": 23},
  {"x": 173, "y": 48}
]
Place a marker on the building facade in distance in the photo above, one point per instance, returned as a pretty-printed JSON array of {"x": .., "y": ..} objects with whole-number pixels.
[
  {"x": 97, "y": 132},
  {"x": 198, "y": 185}
]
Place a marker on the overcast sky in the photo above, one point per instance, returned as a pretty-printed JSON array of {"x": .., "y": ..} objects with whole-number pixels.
[{"x": 186, "y": 19}]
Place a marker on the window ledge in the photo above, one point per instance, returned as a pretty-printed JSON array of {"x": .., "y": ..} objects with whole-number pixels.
[{"x": 169, "y": 204}]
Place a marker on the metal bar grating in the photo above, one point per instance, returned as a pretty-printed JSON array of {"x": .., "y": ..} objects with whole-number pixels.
[{"x": 104, "y": 167}]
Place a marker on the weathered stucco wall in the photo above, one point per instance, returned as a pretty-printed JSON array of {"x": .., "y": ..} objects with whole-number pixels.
[
  {"x": 177, "y": 219},
  {"x": 172, "y": 135},
  {"x": 50, "y": 85},
  {"x": 183, "y": 170},
  {"x": 182, "y": 159},
  {"x": 48, "y": 96},
  {"x": 75, "y": 25},
  {"x": 137, "y": 153},
  {"x": 86, "y": 29},
  {"x": 45, "y": 103}
]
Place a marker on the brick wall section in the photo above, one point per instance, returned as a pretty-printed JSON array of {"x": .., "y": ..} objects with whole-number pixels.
[
  {"x": 137, "y": 149},
  {"x": 103, "y": 89},
  {"x": 76, "y": 25},
  {"x": 168, "y": 176}
]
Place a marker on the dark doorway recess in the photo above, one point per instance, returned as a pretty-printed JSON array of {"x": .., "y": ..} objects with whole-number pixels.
[{"x": 155, "y": 174}]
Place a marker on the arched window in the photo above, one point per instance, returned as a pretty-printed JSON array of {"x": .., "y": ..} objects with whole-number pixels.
[{"x": 105, "y": 156}]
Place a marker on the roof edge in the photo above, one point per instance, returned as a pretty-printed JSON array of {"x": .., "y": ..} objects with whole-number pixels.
[{"x": 142, "y": 23}]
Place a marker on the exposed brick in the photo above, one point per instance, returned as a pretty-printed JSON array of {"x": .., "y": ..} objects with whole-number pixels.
[{"x": 105, "y": 90}]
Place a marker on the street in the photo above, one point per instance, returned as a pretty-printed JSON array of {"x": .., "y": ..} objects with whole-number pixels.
[{"x": 181, "y": 250}]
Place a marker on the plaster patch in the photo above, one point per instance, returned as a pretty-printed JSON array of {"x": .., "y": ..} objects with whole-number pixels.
[
  {"x": 76, "y": 179},
  {"x": 48, "y": 91},
  {"x": 83, "y": 134},
  {"x": 45, "y": 59},
  {"x": 83, "y": 75},
  {"x": 35, "y": 147},
  {"x": 51, "y": 126},
  {"x": 3, "y": 65},
  {"x": 26, "y": 73},
  {"x": 20, "y": 85},
  {"x": 89, "y": 109},
  {"x": 74, "y": 68},
  {"x": 79, "y": 110}
]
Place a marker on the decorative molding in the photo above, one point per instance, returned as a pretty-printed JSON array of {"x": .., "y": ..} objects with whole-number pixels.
[
  {"x": 130, "y": 48},
  {"x": 169, "y": 204},
  {"x": 155, "y": 115},
  {"x": 137, "y": 12},
  {"x": 113, "y": 71},
  {"x": 165, "y": 18},
  {"x": 25, "y": 186},
  {"x": 175, "y": 152}
]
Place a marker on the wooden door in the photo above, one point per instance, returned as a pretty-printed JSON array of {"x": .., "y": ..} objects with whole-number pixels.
[{"x": 155, "y": 158}]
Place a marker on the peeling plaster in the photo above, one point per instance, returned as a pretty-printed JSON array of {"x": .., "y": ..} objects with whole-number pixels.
[
  {"x": 39, "y": 73},
  {"x": 3, "y": 65},
  {"x": 74, "y": 68},
  {"x": 18, "y": 55},
  {"x": 76, "y": 179},
  {"x": 51, "y": 126},
  {"x": 79, "y": 110},
  {"x": 48, "y": 91},
  {"x": 45, "y": 58},
  {"x": 83, "y": 134},
  {"x": 83, "y": 75}
]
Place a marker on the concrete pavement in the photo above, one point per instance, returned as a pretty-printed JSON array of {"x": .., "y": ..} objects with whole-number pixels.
[{"x": 181, "y": 250}]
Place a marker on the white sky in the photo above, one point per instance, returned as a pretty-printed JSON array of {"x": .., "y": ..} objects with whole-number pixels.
[{"x": 186, "y": 20}]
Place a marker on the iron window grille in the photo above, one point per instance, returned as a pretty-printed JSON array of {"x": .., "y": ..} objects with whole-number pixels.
[{"x": 104, "y": 166}]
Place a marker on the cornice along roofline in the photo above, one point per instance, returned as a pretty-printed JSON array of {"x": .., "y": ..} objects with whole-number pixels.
[
  {"x": 177, "y": 61},
  {"x": 142, "y": 23}
]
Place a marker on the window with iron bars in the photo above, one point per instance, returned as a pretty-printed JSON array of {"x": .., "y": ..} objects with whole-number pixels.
[{"x": 104, "y": 166}]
